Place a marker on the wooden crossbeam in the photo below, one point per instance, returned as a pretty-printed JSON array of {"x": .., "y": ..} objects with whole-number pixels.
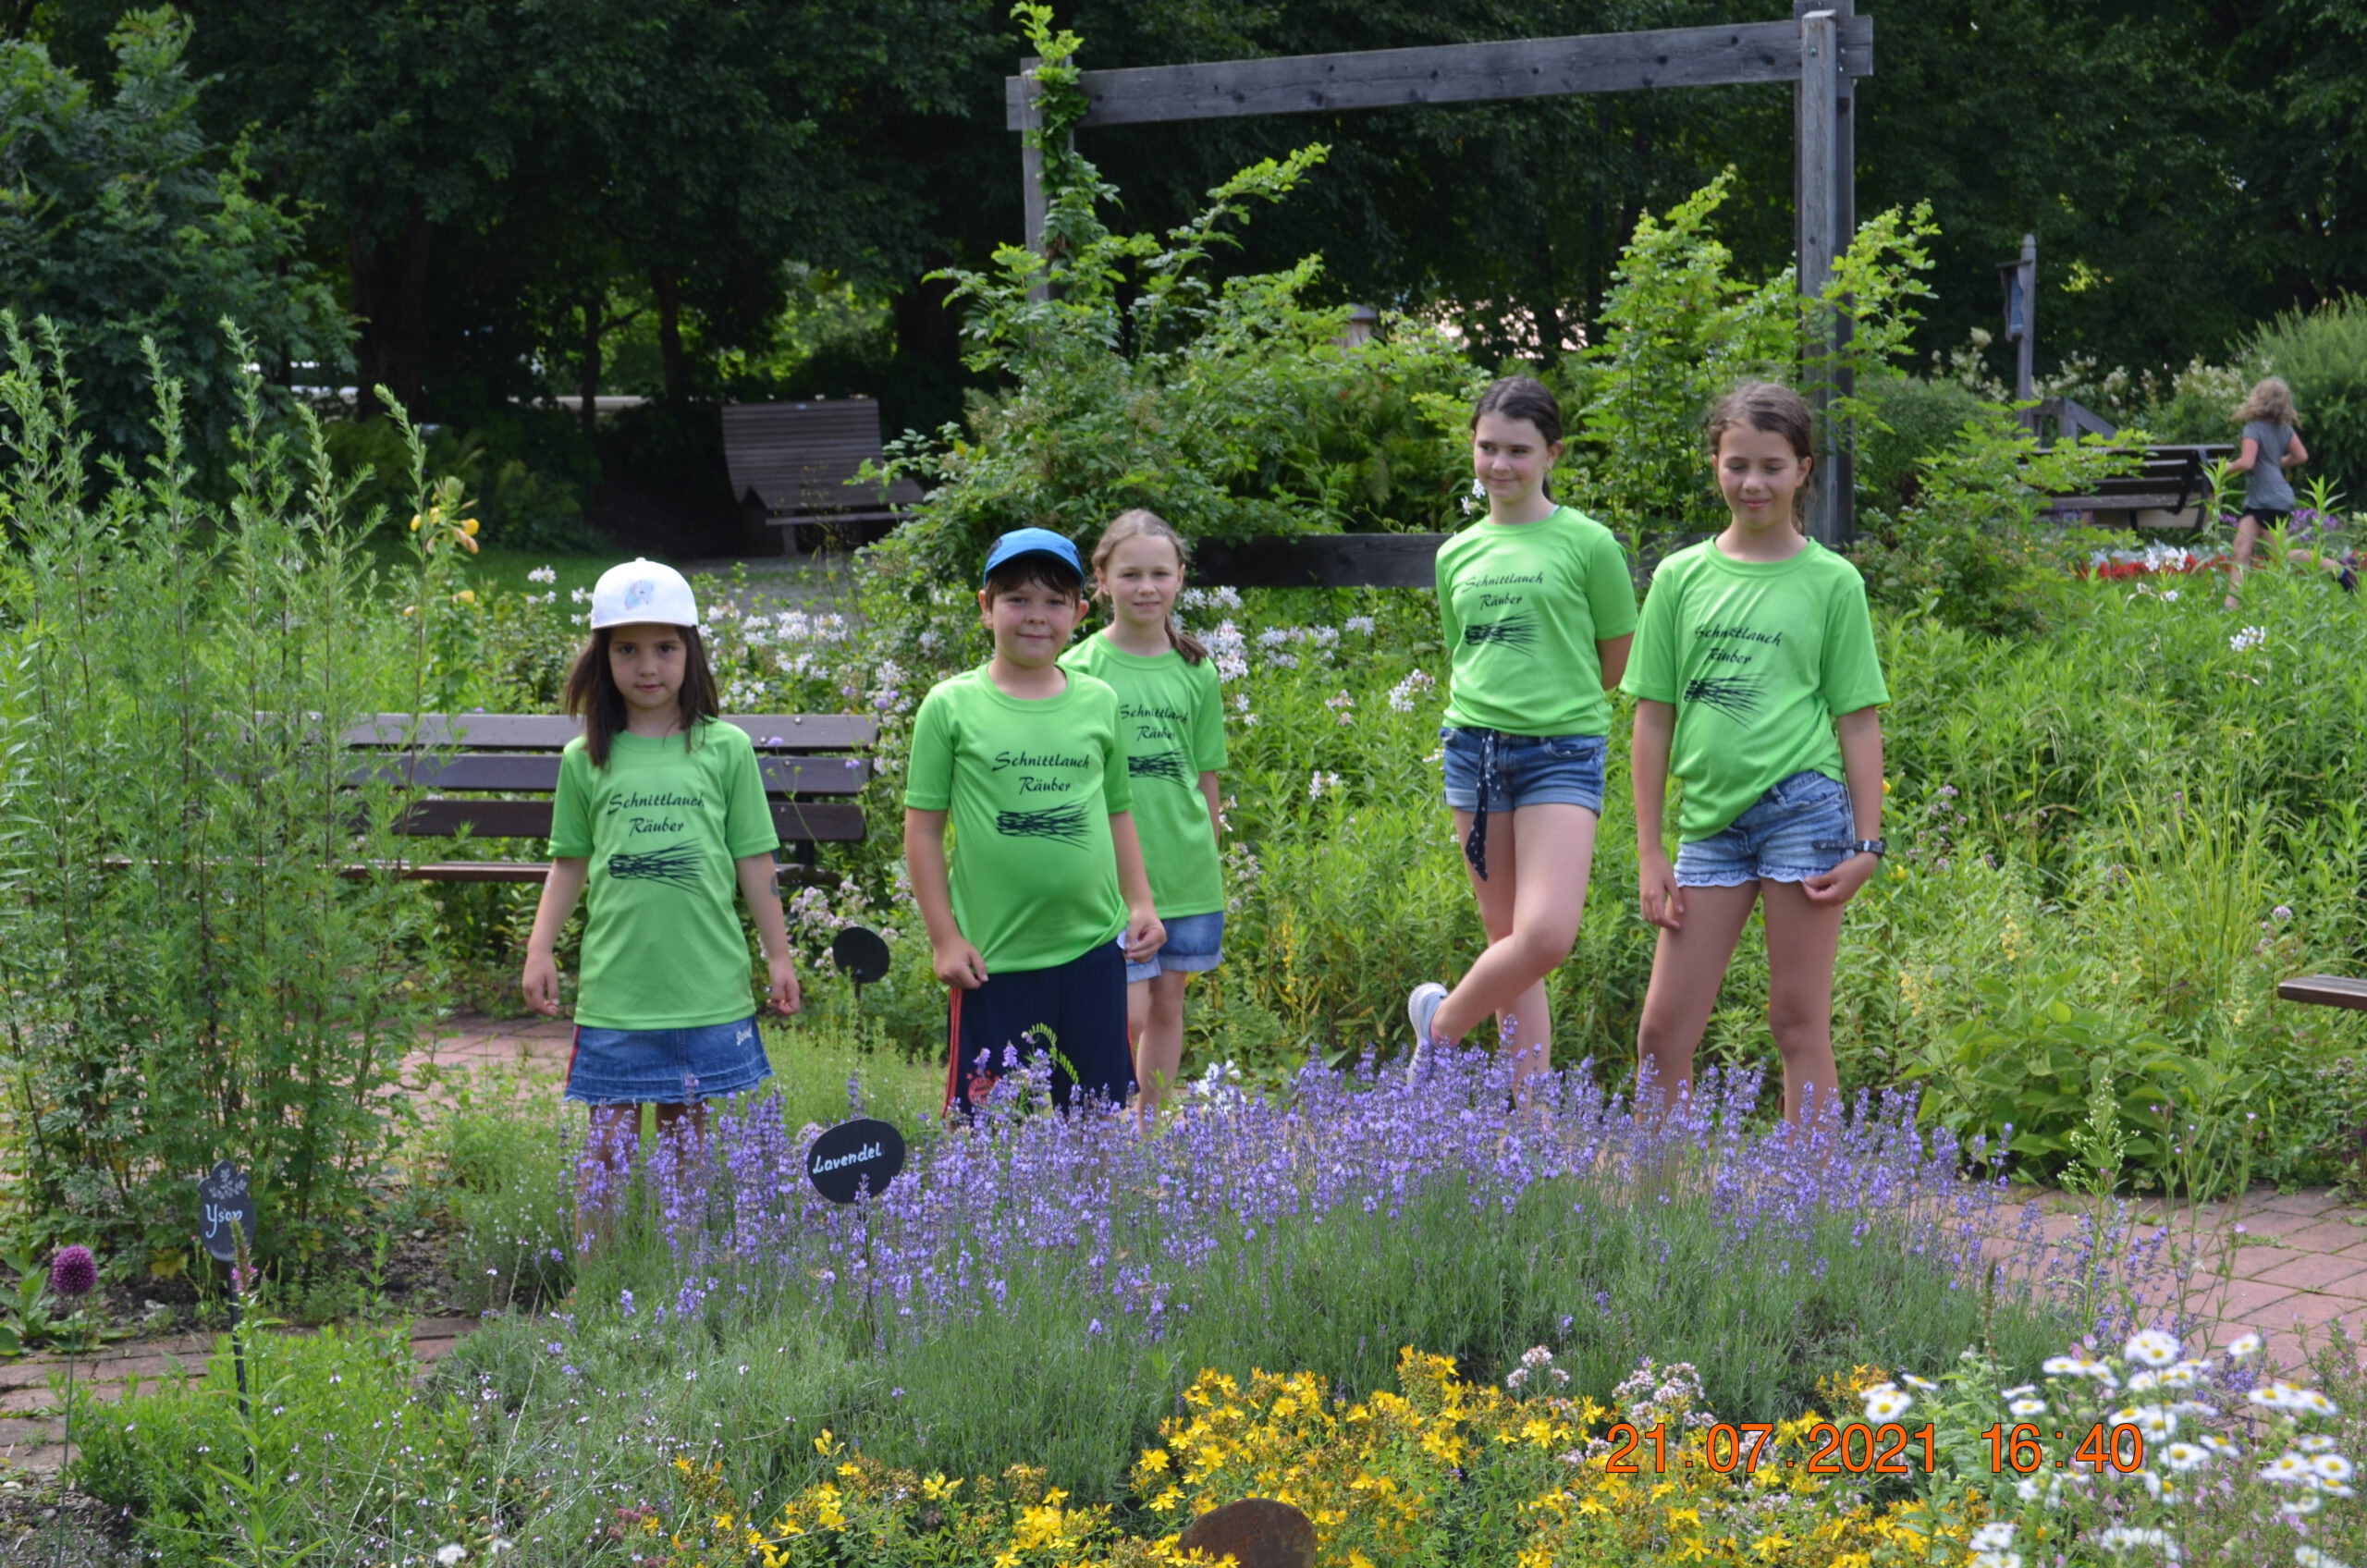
[
  {"x": 2325, "y": 990},
  {"x": 1452, "y": 73}
]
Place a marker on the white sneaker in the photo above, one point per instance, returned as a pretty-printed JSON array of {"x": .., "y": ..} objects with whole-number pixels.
[{"x": 1421, "y": 1006}]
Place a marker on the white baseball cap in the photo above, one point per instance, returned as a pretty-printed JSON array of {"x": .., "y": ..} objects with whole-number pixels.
[{"x": 642, "y": 590}]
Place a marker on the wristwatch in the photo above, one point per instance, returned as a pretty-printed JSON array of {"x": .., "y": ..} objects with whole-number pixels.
[{"x": 1875, "y": 847}]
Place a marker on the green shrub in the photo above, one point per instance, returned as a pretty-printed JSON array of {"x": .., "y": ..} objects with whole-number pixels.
[
  {"x": 1919, "y": 420},
  {"x": 190, "y": 975},
  {"x": 504, "y": 1151}
]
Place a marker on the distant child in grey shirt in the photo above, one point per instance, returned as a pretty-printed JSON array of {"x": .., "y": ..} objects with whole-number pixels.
[{"x": 2272, "y": 445}]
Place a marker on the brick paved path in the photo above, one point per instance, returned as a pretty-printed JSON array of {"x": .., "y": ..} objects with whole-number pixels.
[{"x": 2298, "y": 1264}]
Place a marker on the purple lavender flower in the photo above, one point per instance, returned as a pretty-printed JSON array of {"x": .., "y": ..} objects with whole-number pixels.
[{"x": 73, "y": 1273}]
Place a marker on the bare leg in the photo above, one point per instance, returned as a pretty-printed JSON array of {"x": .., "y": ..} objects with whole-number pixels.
[
  {"x": 1803, "y": 940},
  {"x": 1154, "y": 1018},
  {"x": 2247, "y": 535},
  {"x": 1530, "y": 906},
  {"x": 1687, "y": 968}
]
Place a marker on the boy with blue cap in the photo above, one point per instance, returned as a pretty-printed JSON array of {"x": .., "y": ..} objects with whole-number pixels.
[{"x": 1046, "y": 899}]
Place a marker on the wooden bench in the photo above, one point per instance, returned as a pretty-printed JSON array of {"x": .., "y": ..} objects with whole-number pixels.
[
  {"x": 793, "y": 460},
  {"x": 2325, "y": 990},
  {"x": 492, "y": 775},
  {"x": 2174, "y": 480}
]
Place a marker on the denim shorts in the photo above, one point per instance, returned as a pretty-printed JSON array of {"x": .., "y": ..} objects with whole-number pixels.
[
  {"x": 1802, "y": 828},
  {"x": 666, "y": 1066},
  {"x": 1530, "y": 770},
  {"x": 1194, "y": 942}
]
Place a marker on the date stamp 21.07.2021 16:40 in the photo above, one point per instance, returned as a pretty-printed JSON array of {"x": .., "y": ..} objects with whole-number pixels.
[{"x": 1858, "y": 1449}]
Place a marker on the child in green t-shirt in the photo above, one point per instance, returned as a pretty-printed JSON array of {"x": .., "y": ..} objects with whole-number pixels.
[
  {"x": 1537, "y": 609},
  {"x": 1045, "y": 900},
  {"x": 659, "y": 819},
  {"x": 1172, "y": 716},
  {"x": 1755, "y": 646}
]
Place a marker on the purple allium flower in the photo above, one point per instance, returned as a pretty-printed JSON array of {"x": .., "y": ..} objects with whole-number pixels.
[{"x": 73, "y": 1272}]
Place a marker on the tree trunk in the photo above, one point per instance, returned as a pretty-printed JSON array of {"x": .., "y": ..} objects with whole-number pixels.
[
  {"x": 668, "y": 290},
  {"x": 390, "y": 296},
  {"x": 593, "y": 329}
]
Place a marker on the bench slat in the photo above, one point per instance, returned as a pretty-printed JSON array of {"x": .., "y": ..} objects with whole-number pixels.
[
  {"x": 2325, "y": 990},
  {"x": 530, "y": 771},
  {"x": 787, "y": 732},
  {"x": 535, "y": 871},
  {"x": 819, "y": 823}
]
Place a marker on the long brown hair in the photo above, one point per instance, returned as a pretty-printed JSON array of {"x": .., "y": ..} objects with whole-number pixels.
[
  {"x": 591, "y": 693},
  {"x": 2270, "y": 400},
  {"x": 1778, "y": 411},
  {"x": 1142, "y": 523}
]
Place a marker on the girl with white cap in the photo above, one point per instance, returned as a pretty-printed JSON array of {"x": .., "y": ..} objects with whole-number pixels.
[{"x": 660, "y": 813}]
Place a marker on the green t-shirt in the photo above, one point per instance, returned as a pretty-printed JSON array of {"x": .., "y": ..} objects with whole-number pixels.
[
  {"x": 1757, "y": 657},
  {"x": 1523, "y": 606},
  {"x": 1031, "y": 785},
  {"x": 663, "y": 947},
  {"x": 1172, "y": 720}
]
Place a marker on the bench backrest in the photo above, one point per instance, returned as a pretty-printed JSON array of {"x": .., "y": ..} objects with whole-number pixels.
[
  {"x": 808, "y": 762},
  {"x": 797, "y": 458}
]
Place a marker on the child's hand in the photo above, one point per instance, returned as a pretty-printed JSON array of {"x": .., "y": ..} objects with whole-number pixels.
[
  {"x": 784, "y": 994},
  {"x": 959, "y": 963},
  {"x": 1145, "y": 934},
  {"x": 1840, "y": 885},
  {"x": 541, "y": 984},
  {"x": 1657, "y": 894}
]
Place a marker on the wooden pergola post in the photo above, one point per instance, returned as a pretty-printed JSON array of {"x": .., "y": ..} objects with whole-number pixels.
[
  {"x": 1822, "y": 50},
  {"x": 1826, "y": 202}
]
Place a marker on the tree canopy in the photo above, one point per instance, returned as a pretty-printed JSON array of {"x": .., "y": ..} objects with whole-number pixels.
[{"x": 501, "y": 189}]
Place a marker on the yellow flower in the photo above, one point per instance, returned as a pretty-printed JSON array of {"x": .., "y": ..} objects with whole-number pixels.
[
  {"x": 465, "y": 597},
  {"x": 1684, "y": 1516},
  {"x": 469, "y": 526},
  {"x": 415, "y": 522},
  {"x": 1767, "y": 1545}
]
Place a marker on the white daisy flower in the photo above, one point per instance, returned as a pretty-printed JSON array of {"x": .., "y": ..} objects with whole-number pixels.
[
  {"x": 2331, "y": 1467},
  {"x": 1996, "y": 1560},
  {"x": 2310, "y": 1556},
  {"x": 2186, "y": 1456},
  {"x": 1998, "y": 1537},
  {"x": 2243, "y": 1347},
  {"x": 1922, "y": 1385},
  {"x": 2221, "y": 1446},
  {"x": 1886, "y": 1403},
  {"x": 2316, "y": 1443},
  {"x": 2185, "y": 1375},
  {"x": 2026, "y": 1388},
  {"x": 2286, "y": 1469},
  {"x": 2124, "y": 1538},
  {"x": 2151, "y": 1347},
  {"x": 2027, "y": 1407},
  {"x": 2301, "y": 1507}
]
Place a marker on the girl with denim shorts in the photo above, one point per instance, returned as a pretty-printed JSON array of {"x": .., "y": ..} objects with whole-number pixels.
[
  {"x": 659, "y": 818},
  {"x": 1172, "y": 718},
  {"x": 1755, "y": 648},
  {"x": 1538, "y": 608}
]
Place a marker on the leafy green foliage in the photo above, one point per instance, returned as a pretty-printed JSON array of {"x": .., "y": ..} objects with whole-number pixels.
[
  {"x": 125, "y": 224},
  {"x": 190, "y": 975},
  {"x": 1679, "y": 330},
  {"x": 1230, "y": 408},
  {"x": 2025, "y": 1069},
  {"x": 1968, "y": 547}
]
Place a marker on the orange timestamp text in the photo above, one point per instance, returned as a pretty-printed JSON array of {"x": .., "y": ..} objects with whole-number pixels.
[{"x": 1858, "y": 1448}]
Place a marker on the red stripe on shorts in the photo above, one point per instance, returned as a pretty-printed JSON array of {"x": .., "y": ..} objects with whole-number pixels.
[{"x": 953, "y": 1046}]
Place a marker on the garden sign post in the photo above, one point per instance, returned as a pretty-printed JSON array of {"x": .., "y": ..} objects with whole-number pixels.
[{"x": 1822, "y": 49}]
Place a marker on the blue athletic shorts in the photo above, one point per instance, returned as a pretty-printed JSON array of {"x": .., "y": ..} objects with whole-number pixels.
[
  {"x": 1081, "y": 1003},
  {"x": 666, "y": 1066},
  {"x": 1194, "y": 942},
  {"x": 1802, "y": 828}
]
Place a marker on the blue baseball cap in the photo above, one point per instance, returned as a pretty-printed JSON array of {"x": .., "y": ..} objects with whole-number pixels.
[{"x": 1032, "y": 542}]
